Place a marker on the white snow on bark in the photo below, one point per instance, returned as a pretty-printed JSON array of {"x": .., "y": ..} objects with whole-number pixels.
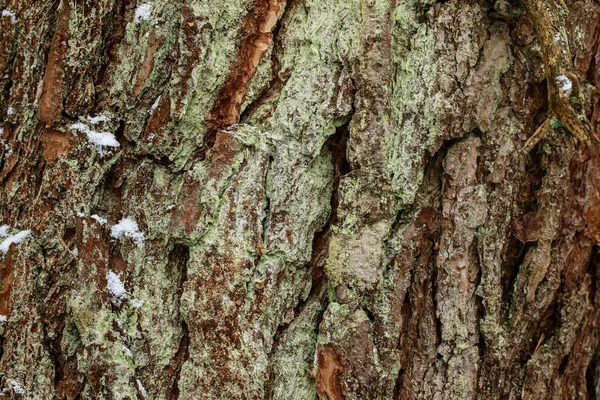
[
  {"x": 155, "y": 104},
  {"x": 128, "y": 228},
  {"x": 95, "y": 120},
  {"x": 17, "y": 388},
  {"x": 142, "y": 389},
  {"x": 100, "y": 220},
  {"x": 115, "y": 287},
  {"x": 16, "y": 239},
  {"x": 99, "y": 139},
  {"x": 142, "y": 13},
  {"x": 564, "y": 82},
  {"x": 10, "y": 14}
]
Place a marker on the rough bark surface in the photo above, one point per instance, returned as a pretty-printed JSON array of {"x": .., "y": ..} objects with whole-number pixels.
[{"x": 301, "y": 199}]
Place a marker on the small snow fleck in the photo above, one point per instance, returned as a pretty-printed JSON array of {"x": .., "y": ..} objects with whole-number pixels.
[
  {"x": 557, "y": 37},
  {"x": 115, "y": 287},
  {"x": 98, "y": 139},
  {"x": 564, "y": 82},
  {"x": 100, "y": 220},
  {"x": 142, "y": 13},
  {"x": 103, "y": 139},
  {"x": 142, "y": 389},
  {"x": 128, "y": 228},
  {"x": 80, "y": 214},
  {"x": 155, "y": 104},
  {"x": 4, "y": 231},
  {"x": 76, "y": 251},
  {"x": 170, "y": 207},
  {"x": 7, "y": 149},
  {"x": 137, "y": 303},
  {"x": 126, "y": 350},
  {"x": 3, "y": 318},
  {"x": 8, "y": 13},
  {"x": 16, "y": 387},
  {"x": 10, "y": 111},
  {"x": 16, "y": 239},
  {"x": 95, "y": 120}
]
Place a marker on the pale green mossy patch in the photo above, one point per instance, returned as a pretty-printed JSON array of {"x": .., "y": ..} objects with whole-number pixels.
[{"x": 291, "y": 364}]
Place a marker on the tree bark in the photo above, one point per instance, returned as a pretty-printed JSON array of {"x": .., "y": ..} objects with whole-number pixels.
[{"x": 271, "y": 199}]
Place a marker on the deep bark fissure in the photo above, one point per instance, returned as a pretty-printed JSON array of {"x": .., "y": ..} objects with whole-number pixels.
[
  {"x": 182, "y": 254},
  {"x": 276, "y": 82},
  {"x": 258, "y": 30},
  {"x": 336, "y": 145},
  {"x": 413, "y": 305},
  {"x": 592, "y": 377}
]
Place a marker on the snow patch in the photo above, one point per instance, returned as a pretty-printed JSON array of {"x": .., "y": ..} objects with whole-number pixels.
[
  {"x": 142, "y": 13},
  {"x": 564, "y": 83},
  {"x": 557, "y": 37},
  {"x": 103, "y": 139},
  {"x": 115, "y": 287},
  {"x": 100, "y": 220},
  {"x": 137, "y": 303},
  {"x": 16, "y": 387},
  {"x": 3, "y": 318},
  {"x": 170, "y": 207},
  {"x": 7, "y": 149},
  {"x": 128, "y": 228},
  {"x": 8, "y": 13},
  {"x": 126, "y": 350},
  {"x": 151, "y": 110},
  {"x": 99, "y": 139},
  {"x": 97, "y": 119},
  {"x": 10, "y": 111},
  {"x": 16, "y": 239},
  {"x": 141, "y": 388},
  {"x": 4, "y": 231}
]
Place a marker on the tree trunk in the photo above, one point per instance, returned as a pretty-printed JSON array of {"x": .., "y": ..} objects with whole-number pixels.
[{"x": 271, "y": 199}]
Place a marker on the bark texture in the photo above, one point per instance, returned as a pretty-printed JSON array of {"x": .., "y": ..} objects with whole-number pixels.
[{"x": 271, "y": 199}]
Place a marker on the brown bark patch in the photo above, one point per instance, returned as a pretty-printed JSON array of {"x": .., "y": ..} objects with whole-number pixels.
[
  {"x": 51, "y": 102},
  {"x": 222, "y": 154},
  {"x": 147, "y": 66},
  {"x": 593, "y": 219},
  {"x": 527, "y": 228},
  {"x": 6, "y": 281},
  {"x": 56, "y": 144},
  {"x": 161, "y": 116},
  {"x": 329, "y": 373},
  {"x": 258, "y": 25}
]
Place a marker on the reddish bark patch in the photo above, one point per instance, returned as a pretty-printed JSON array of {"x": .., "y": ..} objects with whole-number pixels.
[
  {"x": 6, "y": 279},
  {"x": 147, "y": 66},
  {"x": 161, "y": 116},
  {"x": 56, "y": 144},
  {"x": 329, "y": 373},
  {"x": 527, "y": 228},
  {"x": 222, "y": 154},
  {"x": 258, "y": 26},
  {"x": 593, "y": 219},
  {"x": 51, "y": 102}
]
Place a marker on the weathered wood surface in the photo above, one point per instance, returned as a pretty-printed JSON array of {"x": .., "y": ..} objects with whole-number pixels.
[{"x": 309, "y": 198}]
